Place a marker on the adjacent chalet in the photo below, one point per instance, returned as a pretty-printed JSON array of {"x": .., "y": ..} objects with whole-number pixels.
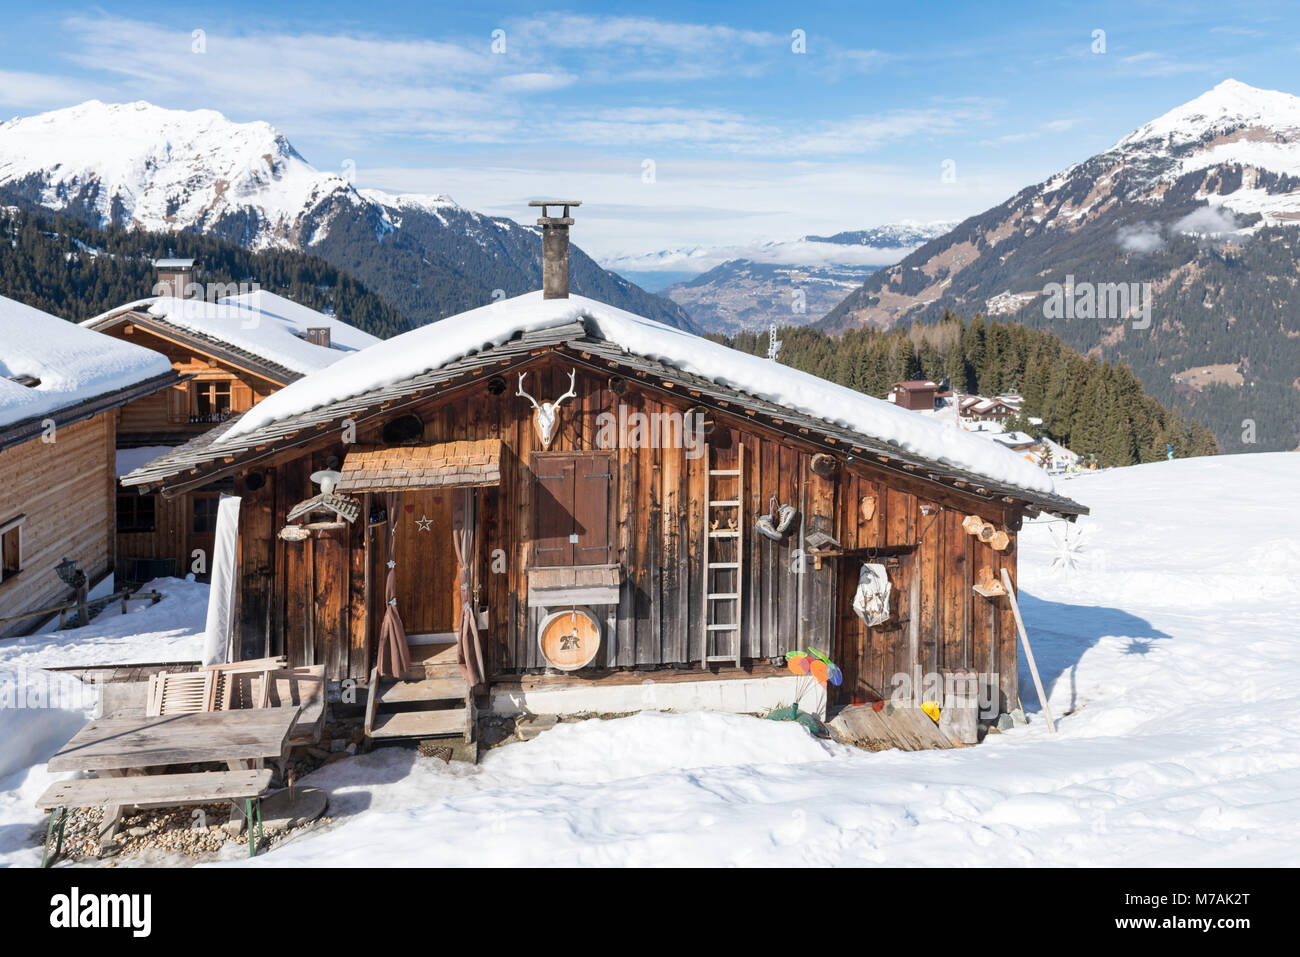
[
  {"x": 915, "y": 395},
  {"x": 976, "y": 409},
  {"x": 232, "y": 351},
  {"x": 62, "y": 389},
  {"x": 552, "y": 505}
]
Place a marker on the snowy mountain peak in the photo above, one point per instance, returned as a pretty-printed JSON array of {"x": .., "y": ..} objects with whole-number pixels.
[
  {"x": 1226, "y": 108},
  {"x": 178, "y": 169},
  {"x": 1234, "y": 146}
]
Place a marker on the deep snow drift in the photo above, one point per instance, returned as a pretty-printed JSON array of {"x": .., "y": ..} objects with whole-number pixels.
[{"x": 1169, "y": 652}]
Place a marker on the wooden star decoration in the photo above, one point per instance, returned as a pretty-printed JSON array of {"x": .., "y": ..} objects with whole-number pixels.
[{"x": 424, "y": 522}]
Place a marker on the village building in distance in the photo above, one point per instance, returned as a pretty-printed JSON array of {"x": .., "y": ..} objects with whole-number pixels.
[
  {"x": 986, "y": 416},
  {"x": 550, "y": 505},
  {"x": 233, "y": 350},
  {"x": 62, "y": 392}
]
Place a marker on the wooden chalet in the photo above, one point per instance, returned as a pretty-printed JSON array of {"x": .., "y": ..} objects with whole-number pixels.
[
  {"x": 532, "y": 562},
  {"x": 232, "y": 351},
  {"x": 62, "y": 390}
]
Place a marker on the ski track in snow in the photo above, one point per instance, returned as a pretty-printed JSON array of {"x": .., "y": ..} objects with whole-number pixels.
[{"x": 1169, "y": 658}]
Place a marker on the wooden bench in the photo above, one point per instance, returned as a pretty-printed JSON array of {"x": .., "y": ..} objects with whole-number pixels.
[{"x": 115, "y": 794}]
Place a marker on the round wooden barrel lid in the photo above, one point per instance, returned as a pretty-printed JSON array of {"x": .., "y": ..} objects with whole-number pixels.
[{"x": 569, "y": 639}]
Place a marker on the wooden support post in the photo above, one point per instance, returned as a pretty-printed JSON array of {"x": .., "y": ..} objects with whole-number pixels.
[{"x": 1029, "y": 653}]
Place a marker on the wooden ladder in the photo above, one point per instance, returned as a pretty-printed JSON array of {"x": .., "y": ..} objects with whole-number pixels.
[{"x": 727, "y": 511}]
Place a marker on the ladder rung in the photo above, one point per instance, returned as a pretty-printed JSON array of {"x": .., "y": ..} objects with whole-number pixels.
[
  {"x": 722, "y": 594},
  {"x": 731, "y": 534},
  {"x": 722, "y": 565},
  {"x": 731, "y": 627},
  {"x": 724, "y": 503},
  {"x": 724, "y": 471}
]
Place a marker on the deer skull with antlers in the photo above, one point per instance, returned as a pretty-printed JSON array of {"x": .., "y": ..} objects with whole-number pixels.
[{"x": 546, "y": 415}]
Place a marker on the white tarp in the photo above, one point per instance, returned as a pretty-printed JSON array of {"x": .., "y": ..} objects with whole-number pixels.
[
  {"x": 871, "y": 601},
  {"x": 221, "y": 597}
]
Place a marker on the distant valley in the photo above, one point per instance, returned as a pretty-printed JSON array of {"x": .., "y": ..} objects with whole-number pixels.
[{"x": 733, "y": 289}]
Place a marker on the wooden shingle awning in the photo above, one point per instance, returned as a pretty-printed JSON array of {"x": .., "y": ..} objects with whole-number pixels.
[
  {"x": 555, "y": 586},
  {"x": 442, "y": 465}
]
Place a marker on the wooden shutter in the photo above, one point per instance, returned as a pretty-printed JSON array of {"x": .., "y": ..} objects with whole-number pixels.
[
  {"x": 593, "y": 483},
  {"x": 573, "y": 498},
  {"x": 241, "y": 396},
  {"x": 553, "y": 510},
  {"x": 178, "y": 403}
]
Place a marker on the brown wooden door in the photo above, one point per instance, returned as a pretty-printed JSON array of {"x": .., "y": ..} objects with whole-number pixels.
[{"x": 427, "y": 596}]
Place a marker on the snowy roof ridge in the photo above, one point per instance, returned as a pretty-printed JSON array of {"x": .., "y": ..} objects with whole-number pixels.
[
  {"x": 435, "y": 345},
  {"x": 72, "y": 365},
  {"x": 260, "y": 324}
]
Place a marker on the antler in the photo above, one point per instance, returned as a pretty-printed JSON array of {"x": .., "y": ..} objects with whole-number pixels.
[
  {"x": 571, "y": 394},
  {"x": 525, "y": 394}
]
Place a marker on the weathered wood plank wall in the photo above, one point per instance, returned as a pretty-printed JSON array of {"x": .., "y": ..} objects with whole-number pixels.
[
  {"x": 65, "y": 488},
  {"x": 308, "y": 601}
]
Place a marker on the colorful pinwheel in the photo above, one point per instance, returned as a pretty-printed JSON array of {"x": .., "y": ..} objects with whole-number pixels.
[{"x": 815, "y": 663}]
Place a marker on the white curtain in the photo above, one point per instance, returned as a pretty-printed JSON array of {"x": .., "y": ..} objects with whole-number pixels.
[{"x": 221, "y": 596}]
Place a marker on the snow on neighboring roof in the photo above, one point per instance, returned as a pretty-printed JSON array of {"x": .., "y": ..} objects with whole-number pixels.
[
  {"x": 439, "y": 343},
  {"x": 73, "y": 364},
  {"x": 260, "y": 323},
  {"x": 173, "y": 263},
  {"x": 128, "y": 460}
]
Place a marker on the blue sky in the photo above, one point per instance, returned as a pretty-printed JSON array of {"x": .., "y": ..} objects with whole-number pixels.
[{"x": 748, "y": 139}]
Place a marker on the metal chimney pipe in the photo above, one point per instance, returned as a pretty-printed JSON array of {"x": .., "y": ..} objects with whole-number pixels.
[{"x": 555, "y": 247}]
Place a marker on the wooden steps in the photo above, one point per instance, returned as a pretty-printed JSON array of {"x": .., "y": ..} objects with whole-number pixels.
[
  {"x": 426, "y": 689},
  {"x": 419, "y": 724},
  {"x": 432, "y": 701}
]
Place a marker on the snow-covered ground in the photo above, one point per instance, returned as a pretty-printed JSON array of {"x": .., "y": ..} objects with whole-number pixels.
[
  {"x": 170, "y": 631},
  {"x": 1169, "y": 652},
  {"x": 40, "y": 710}
]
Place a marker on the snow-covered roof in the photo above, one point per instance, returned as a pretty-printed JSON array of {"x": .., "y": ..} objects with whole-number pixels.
[
  {"x": 440, "y": 343},
  {"x": 73, "y": 364},
  {"x": 259, "y": 323}
]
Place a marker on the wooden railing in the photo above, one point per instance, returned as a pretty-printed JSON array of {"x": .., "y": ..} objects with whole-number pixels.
[{"x": 67, "y": 606}]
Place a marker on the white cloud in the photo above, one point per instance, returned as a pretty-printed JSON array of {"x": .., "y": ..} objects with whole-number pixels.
[
  {"x": 534, "y": 82},
  {"x": 1208, "y": 221},
  {"x": 740, "y": 201},
  {"x": 35, "y": 90},
  {"x": 699, "y": 259},
  {"x": 1141, "y": 238}
]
